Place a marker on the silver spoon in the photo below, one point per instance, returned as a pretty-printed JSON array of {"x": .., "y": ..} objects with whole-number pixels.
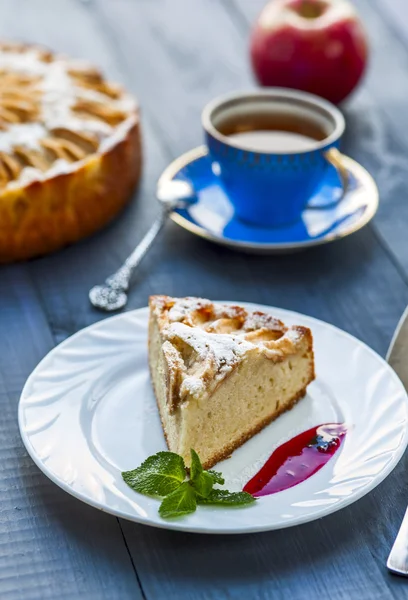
[{"x": 112, "y": 295}]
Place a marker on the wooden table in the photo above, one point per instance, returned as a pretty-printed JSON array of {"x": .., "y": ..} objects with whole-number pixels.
[{"x": 176, "y": 55}]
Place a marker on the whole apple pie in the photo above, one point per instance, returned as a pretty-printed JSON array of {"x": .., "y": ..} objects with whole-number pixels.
[{"x": 70, "y": 150}]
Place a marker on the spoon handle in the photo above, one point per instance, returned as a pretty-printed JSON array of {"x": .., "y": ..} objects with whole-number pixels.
[{"x": 121, "y": 279}]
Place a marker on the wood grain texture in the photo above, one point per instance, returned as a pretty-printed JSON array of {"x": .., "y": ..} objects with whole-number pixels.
[
  {"x": 396, "y": 15},
  {"x": 381, "y": 119},
  {"x": 176, "y": 55},
  {"x": 50, "y": 544}
]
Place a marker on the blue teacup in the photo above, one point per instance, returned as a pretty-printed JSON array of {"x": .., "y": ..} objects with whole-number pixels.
[{"x": 271, "y": 176}]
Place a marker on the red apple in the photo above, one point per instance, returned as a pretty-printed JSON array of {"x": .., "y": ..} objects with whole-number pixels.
[{"x": 318, "y": 46}]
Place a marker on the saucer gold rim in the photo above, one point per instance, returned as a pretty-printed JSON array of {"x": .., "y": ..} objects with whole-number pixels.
[{"x": 358, "y": 170}]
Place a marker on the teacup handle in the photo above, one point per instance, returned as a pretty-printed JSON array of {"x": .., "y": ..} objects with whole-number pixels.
[{"x": 335, "y": 158}]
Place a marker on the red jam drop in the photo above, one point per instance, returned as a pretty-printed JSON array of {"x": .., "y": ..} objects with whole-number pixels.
[{"x": 297, "y": 460}]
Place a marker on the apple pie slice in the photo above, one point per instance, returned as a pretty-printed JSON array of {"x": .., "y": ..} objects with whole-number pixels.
[{"x": 221, "y": 373}]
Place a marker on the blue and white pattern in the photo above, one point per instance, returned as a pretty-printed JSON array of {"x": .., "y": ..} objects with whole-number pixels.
[{"x": 212, "y": 216}]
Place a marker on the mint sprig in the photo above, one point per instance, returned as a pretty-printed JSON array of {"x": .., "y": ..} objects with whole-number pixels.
[
  {"x": 159, "y": 475},
  {"x": 227, "y": 498},
  {"x": 200, "y": 480},
  {"x": 216, "y": 477},
  {"x": 180, "y": 502},
  {"x": 164, "y": 474}
]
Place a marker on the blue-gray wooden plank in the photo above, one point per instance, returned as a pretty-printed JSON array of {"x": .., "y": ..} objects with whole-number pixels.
[
  {"x": 395, "y": 11},
  {"x": 50, "y": 544},
  {"x": 177, "y": 55}
]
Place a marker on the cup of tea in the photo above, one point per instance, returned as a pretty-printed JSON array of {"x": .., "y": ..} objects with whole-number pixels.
[{"x": 273, "y": 148}]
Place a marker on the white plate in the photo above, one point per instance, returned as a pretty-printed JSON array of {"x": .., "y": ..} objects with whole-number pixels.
[{"x": 87, "y": 413}]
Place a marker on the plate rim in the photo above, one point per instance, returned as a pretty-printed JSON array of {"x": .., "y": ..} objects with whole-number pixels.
[
  {"x": 267, "y": 248},
  {"x": 178, "y": 525}
]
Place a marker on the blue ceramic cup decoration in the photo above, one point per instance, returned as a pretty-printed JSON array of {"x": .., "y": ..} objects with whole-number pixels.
[{"x": 271, "y": 149}]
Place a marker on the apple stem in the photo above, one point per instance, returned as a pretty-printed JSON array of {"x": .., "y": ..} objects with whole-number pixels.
[{"x": 311, "y": 9}]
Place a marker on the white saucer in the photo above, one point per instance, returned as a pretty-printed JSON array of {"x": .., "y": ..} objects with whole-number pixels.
[
  {"x": 212, "y": 217},
  {"x": 87, "y": 413}
]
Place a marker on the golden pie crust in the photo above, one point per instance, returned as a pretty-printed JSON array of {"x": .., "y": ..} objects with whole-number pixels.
[{"x": 70, "y": 151}]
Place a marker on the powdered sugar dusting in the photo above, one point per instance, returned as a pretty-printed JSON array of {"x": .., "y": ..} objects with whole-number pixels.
[
  {"x": 183, "y": 307},
  {"x": 59, "y": 94},
  {"x": 257, "y": 320},
  {"x": 226, "y": 311},
  {"x": 194, "y": 327},
  {"x": 293, "y": 335},
  {"x": 215, "y": 353},
  {"x": 225, "y": 348},
  {"x": 22, "y": 134},
  {"x": 192, "y": 385}
]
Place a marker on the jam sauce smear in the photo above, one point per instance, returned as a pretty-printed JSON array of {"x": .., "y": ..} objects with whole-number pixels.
[{"x": 297, "y": 460}]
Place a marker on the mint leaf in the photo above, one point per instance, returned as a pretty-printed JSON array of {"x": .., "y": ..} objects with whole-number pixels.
[
  {"x": 180, "y": 502},
  {"x": 159, "y": 475},
  {"x": 203, "y": 484},
  {"x": 217, "y": 477},
  {"x": 227, "y": 498},
  {"x": 164, "y": 474},
  {"x": 201, "y": 481},
  {"x": 196, "y": 467}
]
